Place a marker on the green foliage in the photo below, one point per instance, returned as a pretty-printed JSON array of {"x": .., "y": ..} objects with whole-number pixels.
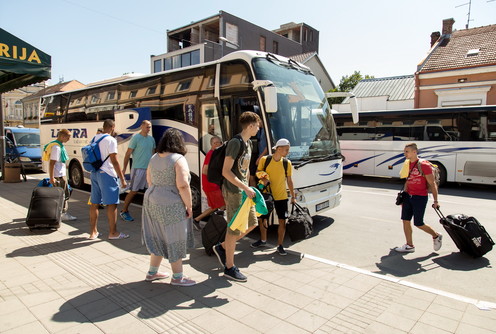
[{"x": 347, "y": 84}]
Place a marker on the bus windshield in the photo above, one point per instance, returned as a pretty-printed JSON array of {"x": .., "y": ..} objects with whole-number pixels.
[{"x": 303, "y": 115}]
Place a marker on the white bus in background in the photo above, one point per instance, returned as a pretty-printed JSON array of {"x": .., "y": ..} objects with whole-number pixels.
[
  {"x": 207, "y": 99},
  {"x": 460, "y": 140}
]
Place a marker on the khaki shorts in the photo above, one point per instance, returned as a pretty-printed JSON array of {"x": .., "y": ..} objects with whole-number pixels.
[{"x": 233, "y": 201}]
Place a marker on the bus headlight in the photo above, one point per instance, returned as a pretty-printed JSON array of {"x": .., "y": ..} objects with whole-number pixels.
[{"x": 299, "y": 196}]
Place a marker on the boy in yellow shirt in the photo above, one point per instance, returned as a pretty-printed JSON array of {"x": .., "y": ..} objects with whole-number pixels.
[{"x": 279, "y": 170}]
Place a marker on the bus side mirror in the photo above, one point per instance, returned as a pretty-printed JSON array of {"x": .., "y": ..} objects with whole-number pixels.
[
  {"x": 270, "y": 93},
  {"x": 354, "y": 108}
]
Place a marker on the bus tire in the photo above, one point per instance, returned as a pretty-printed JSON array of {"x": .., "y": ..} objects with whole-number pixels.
[
  {"x": 195, "y": 194},
  {"x": 443, "y": 175},
  {"x": 76, "y": 176}
]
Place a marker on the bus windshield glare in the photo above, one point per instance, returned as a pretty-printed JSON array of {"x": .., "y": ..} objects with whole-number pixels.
[{"x": 303, "y": 115}]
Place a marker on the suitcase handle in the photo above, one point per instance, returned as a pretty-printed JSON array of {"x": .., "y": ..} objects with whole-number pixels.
[{"x": 439, "y": 213}]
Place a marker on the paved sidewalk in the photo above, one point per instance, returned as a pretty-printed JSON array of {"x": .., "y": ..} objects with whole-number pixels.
[{"x": 60, "y": 282}]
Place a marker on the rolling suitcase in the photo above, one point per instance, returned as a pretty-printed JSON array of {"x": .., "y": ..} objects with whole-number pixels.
[
  {"x": 468, "y": 234},
  {"x": 45, "y": 208},
  {"x": 214, "y": 231}
]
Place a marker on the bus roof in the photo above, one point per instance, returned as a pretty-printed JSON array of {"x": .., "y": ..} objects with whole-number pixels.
[
  {"x": 246, "y": 55},
  {"x": 419, "y": 111}
]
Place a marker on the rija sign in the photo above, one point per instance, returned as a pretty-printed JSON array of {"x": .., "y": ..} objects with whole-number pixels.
[{"x": 20, "y": 53}]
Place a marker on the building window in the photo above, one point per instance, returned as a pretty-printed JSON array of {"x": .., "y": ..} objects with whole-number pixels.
[
  {"x": 133, "y": 94},
  {"x": 111, "y": 95},
  {"x": 275, "y": 47},
  {"x": 95, "y": 98},
  {"x": 184, "y": 85},
  {"x": 151, "y": 90},
  {"x": 195, "y": 57},
  {"x": 176, "y": 61},
  {"x": 185, "y": 59},
  {"x": 262, "y": 46},
  {"x": 167, "y": 64},
  {"x": 157, "y": 66}
]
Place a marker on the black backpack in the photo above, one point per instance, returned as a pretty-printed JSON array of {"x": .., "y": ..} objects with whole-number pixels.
[
  {"x": 214, "y": 172},
  {"x": 214, "y": 232}
]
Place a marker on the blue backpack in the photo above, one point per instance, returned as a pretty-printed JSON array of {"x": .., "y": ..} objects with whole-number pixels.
[{"x": 92, "y": 159}]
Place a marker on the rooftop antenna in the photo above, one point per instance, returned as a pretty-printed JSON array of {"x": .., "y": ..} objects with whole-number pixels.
[{"x": 469, "y": 3}]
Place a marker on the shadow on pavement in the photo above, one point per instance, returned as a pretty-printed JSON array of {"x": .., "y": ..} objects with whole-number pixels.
[
  {"x": 395, "y": 264},
  {"x": 462, "y": 262},
  {"x": 146, "y": 300}
]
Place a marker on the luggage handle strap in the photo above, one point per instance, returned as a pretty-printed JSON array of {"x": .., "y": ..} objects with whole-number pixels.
[
  {"x": 439, "y": 213},
  {"x": 297, "y": 206}
]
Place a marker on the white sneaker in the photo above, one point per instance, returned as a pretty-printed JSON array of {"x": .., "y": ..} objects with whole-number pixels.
[
  {"x": 67, "y": 217},
  {"x": 405, "y": 249},
  {"x": 438, "y": 242}
]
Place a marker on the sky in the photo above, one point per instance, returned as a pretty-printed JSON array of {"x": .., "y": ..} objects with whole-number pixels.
[{"x": 92, "y": 40}]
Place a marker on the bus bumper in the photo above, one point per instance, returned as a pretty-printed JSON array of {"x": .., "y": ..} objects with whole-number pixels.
[{"x": 321, "y": 197}]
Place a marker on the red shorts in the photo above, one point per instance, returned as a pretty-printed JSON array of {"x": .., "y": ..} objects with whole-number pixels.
[{"x": 215, "y": 199}]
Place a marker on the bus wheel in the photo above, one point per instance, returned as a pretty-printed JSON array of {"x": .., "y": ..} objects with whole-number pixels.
[
  {"x": 76, "y": 176},
  {"x": 195, "y": 194}
]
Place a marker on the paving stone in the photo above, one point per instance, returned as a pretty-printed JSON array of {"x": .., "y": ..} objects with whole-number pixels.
[{"x": 32, "y": 327}]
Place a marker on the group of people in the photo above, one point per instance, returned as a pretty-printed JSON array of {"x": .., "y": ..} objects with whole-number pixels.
[{"x": 167, "y": 216}]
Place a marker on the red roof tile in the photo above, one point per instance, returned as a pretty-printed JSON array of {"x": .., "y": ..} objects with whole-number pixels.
[{"x": 452, "y": 53}]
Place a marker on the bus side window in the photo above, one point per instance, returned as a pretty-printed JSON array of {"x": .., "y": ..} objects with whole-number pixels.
[
  {"x": 401, "y": 133},
  {"x": 417, "y": 133},
  {"x": 436, "y": 133},
  {"x": 384, "y": 133}
]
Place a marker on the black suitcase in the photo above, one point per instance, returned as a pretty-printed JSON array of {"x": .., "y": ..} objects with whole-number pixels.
[
  {"x": 468, "y": 234},
  {"x": 45, "y": 208},
  {"x": 214, "y": 231}
]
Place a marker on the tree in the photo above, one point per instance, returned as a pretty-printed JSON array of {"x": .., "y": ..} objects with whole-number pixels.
[{"x": 347, "y": 84}]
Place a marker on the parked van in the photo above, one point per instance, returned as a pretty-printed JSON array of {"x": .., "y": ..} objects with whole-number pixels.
[{"x": 27, "y": 143}]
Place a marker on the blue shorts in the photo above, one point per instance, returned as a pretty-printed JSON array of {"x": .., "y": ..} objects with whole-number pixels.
[
  {"x": 414, "y": 206},
  {"x": 104, "y": 188}
]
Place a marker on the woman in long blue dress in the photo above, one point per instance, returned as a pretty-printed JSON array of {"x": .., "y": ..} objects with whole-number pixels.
[{"x": 167, "y": 209}]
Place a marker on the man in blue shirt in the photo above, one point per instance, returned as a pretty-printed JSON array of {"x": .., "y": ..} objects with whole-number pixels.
[{"x": 141, "y": 147}]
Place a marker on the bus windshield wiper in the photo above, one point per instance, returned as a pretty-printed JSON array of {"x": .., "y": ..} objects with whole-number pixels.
[{"x": 327, "y": 157}]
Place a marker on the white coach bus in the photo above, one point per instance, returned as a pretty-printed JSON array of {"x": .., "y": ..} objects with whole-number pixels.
[
  {"x": 460, "y": 140},
  {"x": 207, "y": 99}
]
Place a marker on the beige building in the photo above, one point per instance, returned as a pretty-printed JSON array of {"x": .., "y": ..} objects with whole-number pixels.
[
  {"x": 30, "y": 103},
  {"x": 12, "y": 105}
]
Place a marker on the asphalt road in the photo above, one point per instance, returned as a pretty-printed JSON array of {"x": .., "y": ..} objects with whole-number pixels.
[{"x": 364, "y": 228}]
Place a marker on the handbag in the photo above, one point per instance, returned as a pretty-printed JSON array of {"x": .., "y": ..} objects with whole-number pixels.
[
  {"x": 300, "y": 223},
  {"x": 399, "y": 197}
]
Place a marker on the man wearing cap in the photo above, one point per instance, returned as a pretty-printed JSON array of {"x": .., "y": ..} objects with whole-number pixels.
[{"x": 279, "y": 170}]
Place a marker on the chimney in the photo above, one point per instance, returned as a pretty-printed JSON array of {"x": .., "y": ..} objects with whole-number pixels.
[
  {"x": 435, "y": 37},
  {"x": 448, "y": 26}
]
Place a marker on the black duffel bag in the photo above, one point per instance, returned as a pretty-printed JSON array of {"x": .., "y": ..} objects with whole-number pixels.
[{"x": 300, "y": 223}]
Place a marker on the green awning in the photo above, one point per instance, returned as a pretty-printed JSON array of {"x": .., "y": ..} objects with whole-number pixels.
[{"x": 21, "y": 64}]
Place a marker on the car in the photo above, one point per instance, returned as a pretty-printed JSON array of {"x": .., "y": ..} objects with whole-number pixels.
[{"x": 24, "y": 142}]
